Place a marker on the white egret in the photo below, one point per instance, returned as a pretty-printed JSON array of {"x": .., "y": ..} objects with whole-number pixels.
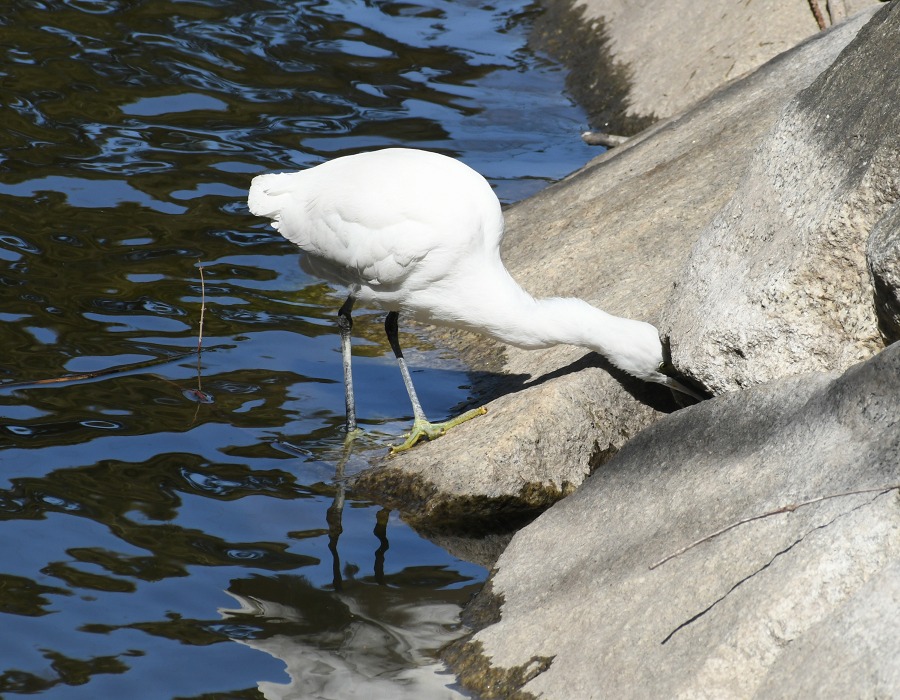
[{"x": 418, "y": 233}]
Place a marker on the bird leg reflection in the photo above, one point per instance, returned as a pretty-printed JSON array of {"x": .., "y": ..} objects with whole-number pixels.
[
  {"x": 345, "y": 324},
  {"x": 334, "y": 516},
  {"x": 421, "y": 426},
  {"x": 380, "y": 531}
]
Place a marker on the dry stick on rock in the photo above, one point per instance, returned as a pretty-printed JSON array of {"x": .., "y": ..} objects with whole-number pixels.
[
  {"x": 790, "y": 508},
  {"x": 817, "y": 13},
  {"x": 598, "y": 138}
]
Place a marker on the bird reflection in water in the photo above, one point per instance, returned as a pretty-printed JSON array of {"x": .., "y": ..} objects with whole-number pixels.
[
  {"x": 361, "y": 637},
  {"x": 334, "y": 517}
]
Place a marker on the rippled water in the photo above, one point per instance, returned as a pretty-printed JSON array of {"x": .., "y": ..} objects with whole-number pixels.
[{"x": 169, "y": 533}]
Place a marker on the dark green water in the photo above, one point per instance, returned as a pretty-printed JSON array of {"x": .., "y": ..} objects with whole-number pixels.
[{"x": 164, "y": 534}]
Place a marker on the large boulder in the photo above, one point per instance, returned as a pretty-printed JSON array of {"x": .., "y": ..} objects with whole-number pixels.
[
  {"x": 778, "y": 282},
  {"x": 802, "y": 603},
  {"x": 662, "y": 57},
  {"x": 617, "y": 233}
]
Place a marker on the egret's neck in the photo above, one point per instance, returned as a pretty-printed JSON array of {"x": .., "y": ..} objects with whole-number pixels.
[
  {"x": 495, "y": 305},
  {"x": 487, "y": 300},
  {"x": 630, "y": 345},
  {"x": 570, "y": 321}
]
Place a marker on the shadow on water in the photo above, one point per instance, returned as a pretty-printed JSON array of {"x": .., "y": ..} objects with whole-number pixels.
[{"x": 157, "y": 533}]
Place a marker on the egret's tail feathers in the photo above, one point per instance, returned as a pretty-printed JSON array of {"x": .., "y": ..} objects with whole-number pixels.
[{"x": 266, "y": 196}]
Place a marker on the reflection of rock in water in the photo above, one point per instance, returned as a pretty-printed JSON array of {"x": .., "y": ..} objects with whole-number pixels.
[{"x": 368, "y": 641}]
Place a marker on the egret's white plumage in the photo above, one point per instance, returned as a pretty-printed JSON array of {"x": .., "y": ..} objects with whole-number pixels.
[{"x": 418, "y": 233}]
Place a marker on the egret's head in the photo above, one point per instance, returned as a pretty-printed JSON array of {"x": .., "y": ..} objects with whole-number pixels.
[{"x": 643, "y": 356}]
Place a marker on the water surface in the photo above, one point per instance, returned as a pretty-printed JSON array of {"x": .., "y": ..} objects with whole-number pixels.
[{"x": 169, "y": 532}]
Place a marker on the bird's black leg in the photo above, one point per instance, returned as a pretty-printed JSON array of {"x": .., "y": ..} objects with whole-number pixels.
[
  {"x": 345, "y": 323},
  {"x": 390, "y": 329}
]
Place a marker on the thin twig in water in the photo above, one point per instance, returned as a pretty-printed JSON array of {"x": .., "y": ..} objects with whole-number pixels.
[
  {"x": 790, "y": 508},
  {"x": 119, "y": 369},
  {"x": 198, "y": 393},
  {"x": 202, "y": 314}
]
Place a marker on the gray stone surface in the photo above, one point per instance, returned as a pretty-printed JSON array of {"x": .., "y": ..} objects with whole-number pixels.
[
  {"x": 800, "y": 604},
  {"x": 618, "y": 233},
  {"x": 852, "y": 651},
  {"x": 778, "y": 283}
]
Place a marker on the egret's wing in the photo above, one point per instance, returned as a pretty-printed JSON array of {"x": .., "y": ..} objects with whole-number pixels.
[
  {"x": 369, "y": 238},
  {"x": 368, "y": 219},
  {"x": 374, "y": 256}
]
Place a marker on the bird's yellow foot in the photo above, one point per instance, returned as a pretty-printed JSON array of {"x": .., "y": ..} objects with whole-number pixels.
[
  {"x": 351, "y": 435},
  {"x": 424, "y": 429}
]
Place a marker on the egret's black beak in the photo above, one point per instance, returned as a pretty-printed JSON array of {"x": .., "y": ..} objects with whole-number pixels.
[{"x": 680, "y": 384}]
